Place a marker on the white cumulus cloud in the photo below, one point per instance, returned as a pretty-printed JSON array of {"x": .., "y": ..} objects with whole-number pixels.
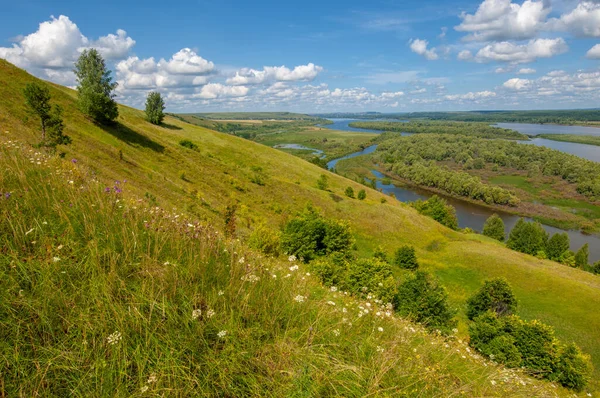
[
  {"x": 594, "y": 52},
  {"x": 419, "y": 46},
  {"x": 517, "y": 84},
  {"x": 583, "y": 21},
  {"x": 521, "y": 53},
  {"x": 218, "y": 90},
  {"x": 526, "y": 71},
  {"x": 306, "y": 72}
]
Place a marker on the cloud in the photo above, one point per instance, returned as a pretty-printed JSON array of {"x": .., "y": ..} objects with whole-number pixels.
[
  {"x": 51, "y": 51},
  {"x": 594, "y": 52},
  {"x": 187, "y": 62},
  {"x": 218, "y": 90},
  {"x": 465, "y": 55},
  {"x": 521, "y": 53},
  {"x": 306, "y": 72},
  {"x": 419, "y": 46},
  {"x": 470, "y": 96},
  {"x": 583, "y": 21},
  {"x": 526, "y": 71},
  {"x": 501, "y": 20},
  {"x": 517, "y": 84}
]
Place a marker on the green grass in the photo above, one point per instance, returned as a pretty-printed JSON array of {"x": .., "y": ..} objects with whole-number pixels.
[
  {"x": 218, "y": 173},
  {"x": 579, "y": 139}
]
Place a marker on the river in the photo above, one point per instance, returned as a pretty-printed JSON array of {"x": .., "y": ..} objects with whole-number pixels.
[{"x": 469, "y": 214}]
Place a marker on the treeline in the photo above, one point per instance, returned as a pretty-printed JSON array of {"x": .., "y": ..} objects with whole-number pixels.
[
  {"x": 414, "y": 158},
  {"x": 482, "y": 130},
  {"x": 570, "y": 116}
]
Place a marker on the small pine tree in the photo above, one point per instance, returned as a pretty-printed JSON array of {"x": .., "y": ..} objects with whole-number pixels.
[
  {"x": 494, "y": 227},
  {"x": 558, "y": 244},
  {"x": 322, "y": 182},
  {"x": 362, "y": 194},
  {"x": 349, "y": 192},
  {"x": 406, "y": 258},
  {"x": 582, "y": 256},
  {"x": 528, "y": 237},
  {"x": 95, "y": 87},
  {"x": 155, "y": 106},
  {"x": 56, "y": 126},
  {"x": 495, "y": 295}
]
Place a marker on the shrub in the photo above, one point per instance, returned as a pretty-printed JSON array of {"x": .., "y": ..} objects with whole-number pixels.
[
  {"x": 528, "y": 237},
  {"x": 406, "y": 258},
  {"x": 494, "y": 227},
  {"x": 349, "y": 192},
  {"x": 438, "y": 209},
  {"x": 383, "y": 200},
  {"x": 188, "y": 144},
  {"x": 229, "y": 218},
  {"x": 264, "y": 240},
  {"x": 595, "y": 268},
  {"x": 573, "y": 369},
  {"x": 370, "y": 275},
  {"x": 322, "y": 182},
  {"x": 155, "y": 107},
  {"x": 380, "y": 254},
  {"x": 582, "y": 256},
  {"x": 487, "y": 337},
  {"x": 495, "y": 295},
  {"x": 331, "y": 269},
  {"x": 420, "y": 298},
  {"x": 310, "y": 235},
  {"x": 567, "y": 258},
  {"x": 362, "y": 194},
  {"x": 558, "y": 244}
]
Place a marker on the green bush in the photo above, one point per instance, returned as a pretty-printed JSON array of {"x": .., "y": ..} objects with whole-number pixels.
[
  {"x": 495, "y": 295},
  {"x": 438, "y": 209},
  {"x": 264, "y": 240},
  {"x": 420, "y": 298},
  {"x": 322, "y": 182},
  {"x": 310, "y": 235},
  {"x": 558, "y": 244},
  {"x": 494, "y": 227},
  {"x": 406, "y": 258},
  {"x": 528, "y": 237},
  {"x": 531, "y": 345},
  {"x": 362, "y": 194},
  {"x": 349, "y": 192},
  {"x": 380, "y": 254},
  {"x": 188, "y": 144},
  {"x": 331, "y": 269},
  {"x": 582, "y": 256}
]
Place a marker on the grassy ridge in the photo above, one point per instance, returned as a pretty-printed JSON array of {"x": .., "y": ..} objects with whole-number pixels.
[
  {"x": 578, "y": 139},
  {"x": 107, "y": 295},
  {"x": 222, "y": 169}
]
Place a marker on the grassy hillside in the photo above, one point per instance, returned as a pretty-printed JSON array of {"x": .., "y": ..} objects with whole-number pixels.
[{"x": 222, "y": 171}]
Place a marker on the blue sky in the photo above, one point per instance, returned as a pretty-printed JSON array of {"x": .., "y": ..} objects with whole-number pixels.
[{"x": 388, "y": 56}]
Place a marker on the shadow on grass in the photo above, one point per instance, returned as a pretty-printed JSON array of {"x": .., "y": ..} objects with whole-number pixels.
[
  {"x": 170, "y": 126},
  {"x": 132, "y": 137}
]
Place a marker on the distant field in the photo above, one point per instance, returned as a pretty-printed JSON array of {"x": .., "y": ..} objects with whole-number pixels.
[{"x": 579, "y": 139}]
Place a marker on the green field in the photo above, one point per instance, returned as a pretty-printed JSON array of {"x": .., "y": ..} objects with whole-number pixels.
[
  {"x": 120, "y": 281},
  {"x": 578, "y": 139}
]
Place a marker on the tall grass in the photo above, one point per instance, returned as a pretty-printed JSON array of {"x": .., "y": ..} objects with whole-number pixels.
[{"x": 104, "y": 295}]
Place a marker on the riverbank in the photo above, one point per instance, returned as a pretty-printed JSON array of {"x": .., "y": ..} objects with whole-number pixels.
[{"x": 578, "y": 139}]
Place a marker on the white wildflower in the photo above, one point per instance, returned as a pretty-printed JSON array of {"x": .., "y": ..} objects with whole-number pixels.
[
  {"x": 242, "y": 260},
  {"x": 336, "y": 332},
  {"x": 493, "y": 382},
  {"x": 333, "y": 289},
  {"x": 221, "y": 293},
  {"x": 210, "y": 313},
  {"x": 331, "y": 303},
  {"x": 274, "y": 276},
  {"x": 56, "y": 259},
  {"x": 292, "y": 258},
  {"x": 299, "y": 298},
  {"x": 222, "y": 334},
  {"x": 380, "y": 349},
  {"x": 288, "y": 275},
  {"x": 144, "y": 389},
  {"x": 152, "y": 379},
  {"x": 114, "y": 338},
  {"x": 196, "y": 314},
  {"x": 293, "y": 268},
  {"x": 380, "y": 329},
  {"x": 344, "y": 310}
]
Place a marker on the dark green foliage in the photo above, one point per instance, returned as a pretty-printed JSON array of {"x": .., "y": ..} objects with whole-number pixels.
[
  {"x": 495, "y": 295},
  {"x": 595, "y": 268},
  {"x": 188, "y": 144},
  {"x": 406, "y": 258},
  {"x": 380, "y": 254},
  {"x": 229, "y": 219},
  {"x": 532, "y": 345},
  {"x": 264, "y": 240},
  {"x": 420, "y": 298},
  {"x": 438, "y": 209},
  {"x": 56, "y": 126},
  {"x": 37, "y": 98},
  {"x": 322, "y": 182},
  {"x": 527, "y": 237},
  {"x": 362, "y": 195},
  {"x": 95, "y": 87},
  {"x": 494, "y": 227},
  {"x": 349, "y": 192},
  {"x": 331, "y": 269},
  {"x": 582, "y": 256},
  {"x": 155, "y": 107},
  {"x": 558, "y": 244},
  {"x": 310, "y": 235},
  {"x": 370, "y": 275}
]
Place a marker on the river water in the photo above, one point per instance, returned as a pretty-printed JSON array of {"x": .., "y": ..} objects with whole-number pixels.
[{"x": 469, "y": 214}]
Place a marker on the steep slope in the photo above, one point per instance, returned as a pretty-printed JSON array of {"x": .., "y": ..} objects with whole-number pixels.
[{"x": 201, "y": 183}]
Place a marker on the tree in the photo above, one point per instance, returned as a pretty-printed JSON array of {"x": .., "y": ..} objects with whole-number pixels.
[
  {"x": 155, "y": 107},
  {"x": 322, "y": 182},
  {"x": 558, "y": 244},
  {"x": 406, "y": 258},
  {"x": 494, "y": 227},
  {"x": 349, "y": 192},
  {"x": 37, "y": 98},
  {"x": 56, "y": 127},
  {"x": 362, "y": 195},
  {"x": 95, "y": 87},
  {"x": 582, "y": 256},
  {"x": 527, "y": 237},
  {"x": 495, "y": 295},
  {"x": 438, "y": 209}
]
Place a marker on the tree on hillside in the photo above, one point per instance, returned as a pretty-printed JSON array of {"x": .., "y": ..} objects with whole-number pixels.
[
  {"x": 528, "y": 237},
  {"x": 494, "y": 227},
  {"x": 37, "y": 98},
  {"x": 362, "y": 194},
  {"x": 406, "y": 258},
  {"x": 558, "y": 244},
  {"x": 95, "y": 87},
  {"x": 155, "y": 107},
  {"x": 582, "y": 256},
  {"x": 495, "y": 295}
]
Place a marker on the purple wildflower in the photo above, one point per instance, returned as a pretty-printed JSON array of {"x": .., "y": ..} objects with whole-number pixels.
[
  {"x": 107, "y": 189},
  {"x": 118, "y": 190},
  {"x": 74, "y": 160},
  {"x": 7, "y": 195}
]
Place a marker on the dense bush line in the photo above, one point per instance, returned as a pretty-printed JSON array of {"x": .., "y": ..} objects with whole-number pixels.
[
  {"x": 483, "y": 130},
  {"x": 410, "y": 157}
]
